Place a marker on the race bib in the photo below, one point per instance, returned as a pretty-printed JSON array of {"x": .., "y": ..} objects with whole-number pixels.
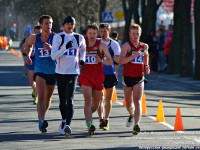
[
  {"x": 71, "y": 52},
  {"x": 90, "y": 59},
  {"x": 44, "y": 53},
  {"x": 137, "y": 60}
]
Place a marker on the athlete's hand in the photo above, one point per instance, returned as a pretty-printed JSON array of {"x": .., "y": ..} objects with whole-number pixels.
[
  {"x": 47, "y": 46},
  {"x": 98, "y": 59},
  {"x": 28, "y": 60},
  {"x": 147, "y": 69},
  {"x": 69, "y": 44},
  {"x": 138, "y": 53},
  {"x": 81, "y": 62}
]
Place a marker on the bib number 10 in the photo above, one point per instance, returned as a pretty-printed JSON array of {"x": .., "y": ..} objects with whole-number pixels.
[{"x": 90, "y": 60}]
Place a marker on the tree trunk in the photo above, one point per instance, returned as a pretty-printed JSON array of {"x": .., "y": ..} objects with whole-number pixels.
[
  {"x": 175, "y": 55},
  {"x": 197, "y": 39},
  {"x": 128, "y": 12},
  {"x": 136, "y": 12},
  {"x": 187, "y": 53},
  {"x": 102, "y": 9},
  {"x": 149, "y": 11}
]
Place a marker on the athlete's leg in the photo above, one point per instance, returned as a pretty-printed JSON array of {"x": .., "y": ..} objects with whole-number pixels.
[
  {"x": 137, "y": 96},
  {"x": 31, "y": 80},
  {"x": 96, "y": 98},
  {"x": 108, "y": 102},
  {"x": 48, "y": 96},
  {"x": 71, "y": 87},
  {"x": 62, "y": 90},
  {"x": 87, "y": 93},
  {"x": 41, "y": 87},
  {"x": 101, "y": 108},
  {"x": 128, "y": 93}
]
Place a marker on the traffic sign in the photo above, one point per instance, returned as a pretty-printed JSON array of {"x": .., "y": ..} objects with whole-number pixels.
[
  {"x": 118, "y": 14},
  {"x": 107, "y": 17}
]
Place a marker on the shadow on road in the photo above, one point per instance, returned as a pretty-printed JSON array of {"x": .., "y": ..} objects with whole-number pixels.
[{"x": 12, "y": 76}]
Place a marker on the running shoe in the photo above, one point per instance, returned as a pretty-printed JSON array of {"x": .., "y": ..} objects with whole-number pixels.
[
  {"x": 91, "y": 130},
  {"x": 67, "y": 130},
  {"x": 136, "y": 130},
  {"x": 61, "y": 128},
  {"x": 43, "y": 124},
  {"x": 129, "y": 121},
  {"x": 102, "y": 124},
  {"x": 35, "y": 100},
  {"x": 64, "y": 129},
  {"x": 106, "y": 127},
  {"x": 33, "y": 94}
]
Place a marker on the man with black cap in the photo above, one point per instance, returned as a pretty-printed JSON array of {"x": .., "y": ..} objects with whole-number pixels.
[{"x": 68, "y": 49}]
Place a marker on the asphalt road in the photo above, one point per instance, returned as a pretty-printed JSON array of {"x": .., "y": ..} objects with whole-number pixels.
[{"x": 18, "y": 117}]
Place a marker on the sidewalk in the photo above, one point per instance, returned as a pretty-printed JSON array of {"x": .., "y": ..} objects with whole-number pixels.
[
  {"x": 182, "y": 81},
  {"x": 15, "y": 44}
]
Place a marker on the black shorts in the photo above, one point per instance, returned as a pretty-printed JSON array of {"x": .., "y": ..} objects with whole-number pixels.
[
  {"x": 131, "y": 81},
  {"x": 50, "y": 78},
  {"x": 110, "y": 81}
]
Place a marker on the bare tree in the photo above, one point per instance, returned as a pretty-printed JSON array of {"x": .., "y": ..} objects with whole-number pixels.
[
  {"x": 136, "y": 12},
  {"x": 59, "y": 9},
  {"x": 149, "y": 11},
  {"x": 177, "y": 42},
  {"x": 128, "y": 13},
  {"x": 102, "y": 9},
  {"x": 180, "y": 58},
  {"x": 187, "y": 52},
  {"x": 197, "y": 39}
]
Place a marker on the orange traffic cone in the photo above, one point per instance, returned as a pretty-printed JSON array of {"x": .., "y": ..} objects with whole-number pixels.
[
  {"x": 160, "y": 114},
  {"x": 144, "y": 107},
  {"x": 114, "y": 96},
  {"x": 178, "y": 122},
  {"x": 124, "y": 102}
]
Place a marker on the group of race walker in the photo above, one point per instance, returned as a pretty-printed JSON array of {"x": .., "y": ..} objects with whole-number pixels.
[{"x": 66, "y": 58}]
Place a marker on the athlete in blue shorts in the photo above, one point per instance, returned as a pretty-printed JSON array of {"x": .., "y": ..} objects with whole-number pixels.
[{"x": 37, "y": 29}]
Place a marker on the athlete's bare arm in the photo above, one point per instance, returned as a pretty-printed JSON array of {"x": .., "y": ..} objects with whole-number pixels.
[
  {"x": 103, "y": 49},
  {"x": 116, "y": 59},
  {"x": 125, "y": 49},
  {"x": 29, "y": 47},
  {"x": 146, "y": 59}
]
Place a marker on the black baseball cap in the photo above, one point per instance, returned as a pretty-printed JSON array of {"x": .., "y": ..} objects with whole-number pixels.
[{"x": 69, "y": 19}]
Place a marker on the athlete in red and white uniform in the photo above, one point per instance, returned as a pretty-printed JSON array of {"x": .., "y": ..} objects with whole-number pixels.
[
  {"x": 92, "y": 78},
  {"x": 134, "y": 56}
]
